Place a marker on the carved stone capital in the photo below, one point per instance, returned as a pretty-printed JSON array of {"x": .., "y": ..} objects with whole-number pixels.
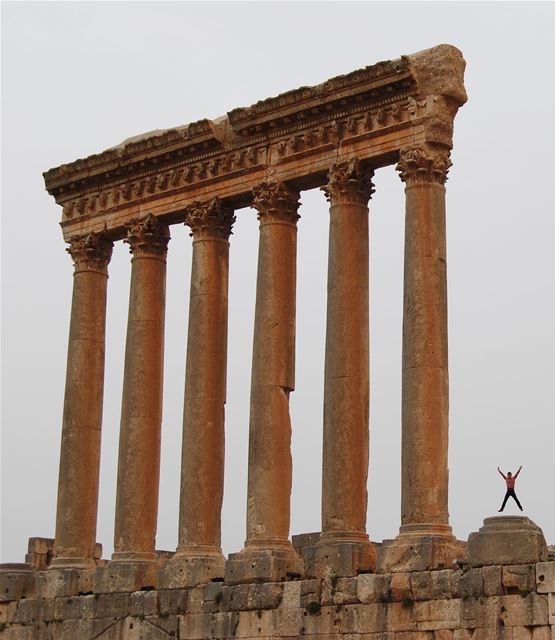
[
  {"x": 276, "y": 202},
  {"x": 91, "y": 252},
  {"x": 349, "y": 183},
  {"x": 147, "y": 237},
  {"x": 423, "y": 164},
  {"x": 209, "y": 220}
]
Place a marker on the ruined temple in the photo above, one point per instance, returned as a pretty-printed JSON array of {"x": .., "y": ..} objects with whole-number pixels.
[{"x": 423, "y": 584}]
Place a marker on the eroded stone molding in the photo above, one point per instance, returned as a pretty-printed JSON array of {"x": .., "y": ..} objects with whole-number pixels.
[
  {"x": 423, "y": 164},
  {"x": 91, "y": 252},
  {"x": 349, "y": 182},
  {"x": 212, "y": 219},
  {"x": 276, "y": 202},
  {"x": 147, "y": 237}
]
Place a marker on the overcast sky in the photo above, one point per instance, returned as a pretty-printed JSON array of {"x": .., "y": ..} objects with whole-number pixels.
[{"x": 78, "y": 78}]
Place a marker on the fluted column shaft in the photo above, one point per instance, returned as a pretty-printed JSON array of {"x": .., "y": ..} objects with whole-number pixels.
[
  {"x": 425, "y": 384},
  {"x": 199, "y": 556},
  {"x": 346, "y": 377},
  {"x": 141, "y": 413},
  {"x": 82, "y": 418}
]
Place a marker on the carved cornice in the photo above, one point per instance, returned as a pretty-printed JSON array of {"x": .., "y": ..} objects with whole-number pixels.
[
  {"x": 369, "y": 113},
  {"x": 419, "y": 164},
  {"x": 276, "y": 202},
  {"x": 210, "y": 220},
  {"x": 147, "y": 237},
  {"x": 91, "y": 252},
  {"x": 348, "y": 183}
]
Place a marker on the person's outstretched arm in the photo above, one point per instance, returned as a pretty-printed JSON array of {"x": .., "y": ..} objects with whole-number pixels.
[
  {"x": 516, "y": 474},
  {"x": 501, "y": 472}
]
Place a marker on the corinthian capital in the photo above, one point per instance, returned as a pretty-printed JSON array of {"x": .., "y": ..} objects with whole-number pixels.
[
  {"x": 147, "y": 237},
  {"x": 91, "y": 252},
  {"x": 423, "y": 164},
  {"x": 348, "y": 182},
  {"x": 276, "y": 202},
  {"x": 209, "y": 220}
]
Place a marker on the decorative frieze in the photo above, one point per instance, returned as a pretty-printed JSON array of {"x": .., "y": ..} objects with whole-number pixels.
[
  {"x": 209, "y": 220},
  {"x": 276, "y": 202},
  {"x": 147, "y": 237},
  {"x": 91, "y": 252},
  {"x": 349, "y": 182},
  {"x": 423, "y": 164}
]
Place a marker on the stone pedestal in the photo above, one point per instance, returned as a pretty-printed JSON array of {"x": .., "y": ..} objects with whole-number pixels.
[
  {"x": 199, "y": 557},
  {"x": 76, "y": 512},
  {"x": 65, "y": 582},
  {"x": 507, "y": 540},
  {"x": 134, "y": 564},
  {"x": 268, "y": 554},
  {"x": 344, "y": 548},
  {"x": 17, "y": 580}
]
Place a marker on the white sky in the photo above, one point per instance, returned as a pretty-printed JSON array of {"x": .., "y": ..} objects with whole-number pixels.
[{"x": 78, "y": 78}]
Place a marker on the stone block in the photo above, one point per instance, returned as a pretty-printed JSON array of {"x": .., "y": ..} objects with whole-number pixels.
[
  {"x": 239, "y": 597},
  {"x": 126, "y": 576},
  {"x": 420, "y": 585},
  {"x": 67, "y": 608},
  {"x": 342, "y": 558},
  {"x": 400, "y": 587},
  {"x": 472, "y": 584},
  {"x": 195, "y": 600},
  {"x": 287, "y": 622},
  {"x": 541, "y": 633},
  {"x": 291, "y": 595},
  {"x": 519, "y": 611},
  {"x": 521, "y": 633},
  {"x": 113, "y": 605},
  {"x": 182, "y": 571},
  {"x": 440, "y": 584},
  {"x": 345, "y": 591},
  {"x": 443, "y": 634},
  {"x": 519, "y": 578},
  {"x": 492, "y": 579},
  {"x": 143, "y": 603},
  {"x": 417, "y": 553},
  {"x": 172, "y": 601},
  {"x": 455, "y": 585},
  {"x": 263, "y": 565},
  {"x": 312, "y": 590},
  {"x": 551, "y": 608},
  {"x": 65, "y": 582},
  {"x": 507, "y": 540},
  {"x": 195, "y": 626},
  {"x": 545, "y": 577},
  {"x": 414, "y": 635},
  {"x": 265, "y": 596},
  {"x": 480, "y": 612},
  {"x": 399, "y": 616},
  {"x": 373, "y": 587},
  {"x": 437, "y": 614},
  {"x": 17, "y": 580},
  {"x": 88, "y": 606}
]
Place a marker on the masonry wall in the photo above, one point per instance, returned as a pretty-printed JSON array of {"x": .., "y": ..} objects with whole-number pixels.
[{"x": 506, "y": 602}]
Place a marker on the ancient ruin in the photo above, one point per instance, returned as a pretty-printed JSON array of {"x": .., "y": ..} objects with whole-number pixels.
[{"x": 422, "y": 585}]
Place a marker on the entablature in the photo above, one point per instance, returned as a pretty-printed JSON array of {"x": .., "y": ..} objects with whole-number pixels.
[{"x": 369, "y": 114}]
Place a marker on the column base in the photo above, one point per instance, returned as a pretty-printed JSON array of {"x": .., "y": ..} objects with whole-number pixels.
[
  {"x": 420, "y": 547},
  {"x": 65, "y": 581},
  {"x": 192, "y": 566},
  {"x": 341, "y": 554},
  {"x": 264, "y": 564},
  {"x": 128, "y": 572},
  {"x": 507, "y": 540}
]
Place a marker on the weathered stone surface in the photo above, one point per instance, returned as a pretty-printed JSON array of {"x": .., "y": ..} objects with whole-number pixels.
[
  {"x": 440, "y": 584},
  {"x": 506, "y": 540},
  {"x": 519, "y": 578},
  {"x": 545, "y": 577},
  {"x": 65, "y": 582},
  {"x": 118, "y": 577},
  {"x": 17, "y": 580},
  {"x": 373, "y": 588},
  {"x": 400, "y": 587},
  {"x": 492, "y": 581},
  {"x": 417, "y": 553}
]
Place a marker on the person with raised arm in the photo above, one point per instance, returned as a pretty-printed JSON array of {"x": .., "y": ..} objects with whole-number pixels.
[{"x": 510, "y": 482}]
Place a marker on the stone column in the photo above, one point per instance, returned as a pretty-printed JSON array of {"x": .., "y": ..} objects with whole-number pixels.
[
  {"x": 268, "y": 554},
  {"x": 199, "y": 555},
  {"x": 344, "y": 548},
  {"x": 134, "y": 563},
  {"x": 82, "y": 419},
  {"x": 425, "y": 540}
]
